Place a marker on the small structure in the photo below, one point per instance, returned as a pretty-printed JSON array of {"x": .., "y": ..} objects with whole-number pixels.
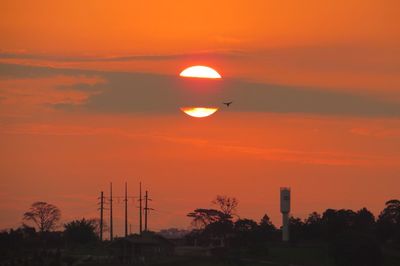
[
  {"x": 139, "y": 249},
  {"x": 285, "y": 210}
]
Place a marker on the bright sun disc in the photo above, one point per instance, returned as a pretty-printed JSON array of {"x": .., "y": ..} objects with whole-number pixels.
[
  {"x": 200, "y": 72},
  {"x": 199, "y": 111}
]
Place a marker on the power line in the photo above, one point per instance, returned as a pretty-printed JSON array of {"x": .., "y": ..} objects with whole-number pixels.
[
  {"x": 112, "y": 199},
  {"x": 111, "y": 214},
  {"x": 126, "y": 209},
  {"x": 101, "y": 215},
  {"x": 140, "y": 208}
]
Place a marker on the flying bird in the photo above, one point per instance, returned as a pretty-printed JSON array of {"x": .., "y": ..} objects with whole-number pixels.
[{"x": 228, "y": 103}]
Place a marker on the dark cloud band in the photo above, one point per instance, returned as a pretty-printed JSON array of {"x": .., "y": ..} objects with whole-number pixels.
[{"x": 153, "y": 93}]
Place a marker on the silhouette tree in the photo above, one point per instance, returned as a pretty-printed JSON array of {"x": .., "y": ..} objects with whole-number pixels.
[
  {"x": 364, "y": 221},
  {"x": 219, "y": 228},
  {"x": 204, "y": 217},
  {"x": 44, "y": 215},
  {"x": 266, "y": 222},
  {"x": 80, "y": 231},
  {"x": 245, "y": 225},
  {"x": 246, "y": 232},
  {"x": 335, "y": 222},
  {"x": 313, "y": 219},
  {"x": 313, "y": 226},
  {"x": 296, "y": 227},
  {"x": 389, "y": 221},
  {"x": 266, "y": 228},
  {"x": 215, "y": 224},
  {"x": 96, "y": 223},
  {"x": 228, "y": 205}
]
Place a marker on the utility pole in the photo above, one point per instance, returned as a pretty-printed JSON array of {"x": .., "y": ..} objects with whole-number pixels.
[
  {"x": 101, "y": 214},
  {"x": 140, "y": 208},
  {"x": 146, "y": 210},
  {"x": 111, "y": 214},
  {"x": 126, "y": 209}
]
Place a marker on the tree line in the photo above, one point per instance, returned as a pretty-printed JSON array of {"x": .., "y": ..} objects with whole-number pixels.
[
  {"x": 224, "y": 220},
  {"x": 353, "y": 237}
]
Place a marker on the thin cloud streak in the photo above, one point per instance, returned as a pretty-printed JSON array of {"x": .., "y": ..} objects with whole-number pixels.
[
  {"x": 269, "y": 154},
  {"x": 150, "y": 57},
  {"x": 287, "y": 155},
  {"x": 376, "y": 132}
]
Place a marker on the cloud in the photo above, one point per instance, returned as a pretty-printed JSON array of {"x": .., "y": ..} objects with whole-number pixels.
[
  {"x": 303, "y": 157},
  {"x": 217, "y": 147},
  {"x": 153, "y": 93},
  {"x": 285, "y": 155},
  {"x": 376, "y": 132},
  {"x": 20, "y": 93},
  {"x": 339, "y": 57},
  {"x": 149, "y": 57},
  {"x": 14, "y": 71},
  {"x": 343, "y": 58},
  {"x": 48, "y": 129}
]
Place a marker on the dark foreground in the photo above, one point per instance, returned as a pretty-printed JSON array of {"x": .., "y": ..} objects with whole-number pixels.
[{"x": 277, "y": 255}]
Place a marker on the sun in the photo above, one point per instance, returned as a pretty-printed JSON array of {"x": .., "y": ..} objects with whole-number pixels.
[
  {"x": 203, "y": 72},
  {"x": 200, "y": 72},
  {"x": 199, "y": 112}
]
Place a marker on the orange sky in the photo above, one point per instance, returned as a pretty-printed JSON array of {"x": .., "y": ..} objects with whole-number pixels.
[{"x": 89, "y": 93}]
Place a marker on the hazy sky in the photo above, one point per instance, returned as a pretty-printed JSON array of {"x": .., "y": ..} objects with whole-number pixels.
[{"x": 90, "y": 93}]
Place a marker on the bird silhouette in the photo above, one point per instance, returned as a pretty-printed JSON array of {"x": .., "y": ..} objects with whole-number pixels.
[{"x": 227, "y": 103}]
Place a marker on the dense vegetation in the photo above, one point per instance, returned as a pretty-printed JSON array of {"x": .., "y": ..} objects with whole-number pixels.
[
  {"x": 351, "y": 237},
  {"x": 335, "y": 237}
]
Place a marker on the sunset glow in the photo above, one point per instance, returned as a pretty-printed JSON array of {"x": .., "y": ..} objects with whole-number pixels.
[
  {"x": 194, "y": 100},
  {"x": 200, "y": 72},
  {"x": 199, "y": 112}
]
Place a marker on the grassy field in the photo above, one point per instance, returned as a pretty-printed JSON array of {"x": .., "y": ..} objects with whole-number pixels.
[
  {"x": 312, "y": 255},
  {"x": 307, "y": 256},
  {"x": 281, "y": 256}
]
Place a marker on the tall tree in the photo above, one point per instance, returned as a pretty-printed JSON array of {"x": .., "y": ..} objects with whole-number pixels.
[
  {"x": 313, "y": 218},
  {"x": 335, "y": 222},
  {"x": 228, "y": 205},
  {"x": 245, "y": 232},
  {"x": 227, "y": 209},
  {"x": 364, "y": 221},
  {"x": 245, "y": 225},
  {"x": 266, "y": 223},
  {"x": 266, "y": 229},
  {"x": 204, "y": 217},
  {"x": 391, "y": 212},
  {"x": 44, "y": 215},
  {"x": 389, "y": 221},
  {"x": 313, "y": 226},
  {"x": 297, "y": 228}
]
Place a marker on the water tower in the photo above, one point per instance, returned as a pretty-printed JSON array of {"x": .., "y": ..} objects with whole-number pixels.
[{"x": 285, "y": 210}]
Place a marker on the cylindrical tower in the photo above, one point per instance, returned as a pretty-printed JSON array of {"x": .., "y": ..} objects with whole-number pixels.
[{"x": 285, "y": 210}]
